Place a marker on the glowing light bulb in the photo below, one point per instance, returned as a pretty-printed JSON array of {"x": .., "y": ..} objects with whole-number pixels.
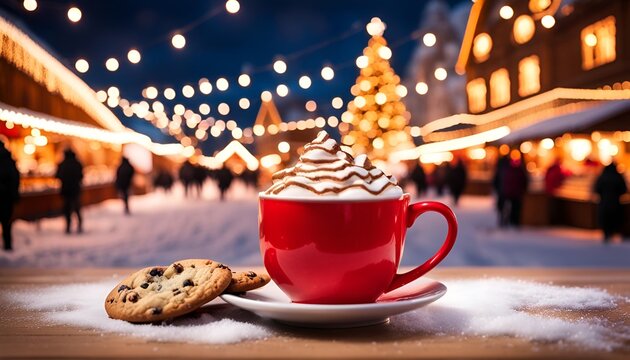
[
  {"x": 506, "y": 12},
  {"x": 311, "y": 105},
  {"x": 30, "y": 5},
  {"x": 266, "y": 96},
  {"x": 384, "y": 52},
  {"x": 113, "y": 92},
  {"x": 244, "y": 80},
  {"x": 440, "y": 73},
  {"x": 134, "y": 56},
  {"x": 204, "y": 109},
  {"x": 178, "y": 41},
  {"x": 169, "y": 93},
  {"x": 151, "y": 92},
  {"x": 590, "y": 40},
  {"x": 284, "y": 147},
  {"x": 422, "y": 88},
  {"x": 375, "y": 27},
  {"x": 188, "y": 91},
  {"x": 280, "y": 66},
  {"x": 337, "y": 103},
  {"x": 362, "y": 62},
  {"x": 380, "y": 98},
  {"x": 305, "y": 82},
  {"x": 282, "y": 90},
  {"x": 74, "y": 14},
  {"x": 548, "y": 21},
  {"x": 232, "y": 6},
  {"x": 429, "y": 39},
  {"x": 401, "y": 90},
  {"x": 112, "y": 64},
  {"x": 244, "y": 103},
  {"x": 222, "y": 84},
  {"x": 328, "y": 73},
  {"x": 82, "y": 66},
  {"x": 204, "y": 86}
]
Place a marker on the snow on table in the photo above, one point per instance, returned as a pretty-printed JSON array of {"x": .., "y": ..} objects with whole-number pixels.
[{"x": 166, "y": 227}]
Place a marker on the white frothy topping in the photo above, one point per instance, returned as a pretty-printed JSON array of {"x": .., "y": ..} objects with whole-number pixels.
[{"x": 326, "y": 171}]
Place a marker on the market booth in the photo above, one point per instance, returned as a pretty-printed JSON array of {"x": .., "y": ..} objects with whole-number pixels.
[{"x": 44, "y": 109}]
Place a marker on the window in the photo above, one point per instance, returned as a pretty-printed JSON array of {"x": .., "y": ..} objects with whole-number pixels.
[
  {"x": 529, "y": 75},
  {"x": 476, "y": 90},
  {"x": 598, "y": 43},
  {"x": 499, "y": 88},
  {"x": 482, "y": 46},
  {"x": 524, "y": 28}
]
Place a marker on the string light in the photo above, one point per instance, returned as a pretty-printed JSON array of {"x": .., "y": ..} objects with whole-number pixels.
[
  {"x": 244, "y": 103},
  {"x": 282, "y": 90},
  {"x": 134, "y": 56},
  {"x": 222, "y": 84},
  {"x": 224, "y": 109},
  {"x": 30, "y": 5},
  {"x": 82, "y": 66},
  {"x": 112, "y": 64},
  {"x": 284, "y": 147},
  {"x": 401, "y": 90},
  {"x": 280, "y": 66},
  {"x": 113, "y": 92},
  {"x": 429, "y": 39},
  {"x": 232, "y": 6},
  {"x": 178, "y": 41},
  {"x": 422, "y": 88},
  {"x": 440, "y": 73},
  {"x": 337, "y": 103},
  {"x": 305, "y": 82},
  {"x": 385, "y": 52},
  {"x": 205, "y": 86},
  {"x": 169, "y": 93},
  {"x": 506, "y": 12},
  {"x": 244, "y": 80},
  {"x": 101, "y": 96},
  {"x": 362, "y": 62},
  {"x": 266, "y": 96},
  {"x": 179, "y": 109},
  {"x": 311, "y": 105},
  {"x": 188, "y": 91},
  {"x": 375, "y": 27},
  {"x": 328, "y": 73},
  {"x": 151, "y": 92},
  {"x": 548, "y": 21},
  {"x": 74, "y": 14}
]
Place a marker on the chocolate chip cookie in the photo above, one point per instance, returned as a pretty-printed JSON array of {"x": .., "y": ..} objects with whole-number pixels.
[
  {"x": 246, "y": 281},
  {"x": 158, "y": 293}
]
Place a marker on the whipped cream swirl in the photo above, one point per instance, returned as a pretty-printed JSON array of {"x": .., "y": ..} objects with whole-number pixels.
[{"x": 325, "y": 170}]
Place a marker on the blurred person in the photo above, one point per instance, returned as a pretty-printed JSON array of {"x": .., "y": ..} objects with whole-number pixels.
[
  {"x": 187, "y": 176},
  {"x": 419, "y": 178},
  {"x": 610, "y": 185},
  {"x": 250, "y": 178},
  {"x": 9, "y": 194},
  {"x": 456, "y": 179},
  {"x": 163, "y": 180},
  {"x": 70, "y": 172},
  {"x": 497, "y": 183},
  {"x": 224, "y": 180},
  {"x": 440, "y": 174},
  {"x": 124, "y": 175},
  {"x": 514, "y": 186},
  {"x": 199, "y": 178},
  {"x": 554, "y": 177}
]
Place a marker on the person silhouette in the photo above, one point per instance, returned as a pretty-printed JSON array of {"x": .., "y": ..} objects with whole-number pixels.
[{"x": 70, "y": 172}]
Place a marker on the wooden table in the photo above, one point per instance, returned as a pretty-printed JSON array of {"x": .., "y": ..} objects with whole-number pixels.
[{"x": 23, "y": 336}]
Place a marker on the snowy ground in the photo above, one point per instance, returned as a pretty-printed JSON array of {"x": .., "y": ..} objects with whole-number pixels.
[{"x": 165, "y": 227}]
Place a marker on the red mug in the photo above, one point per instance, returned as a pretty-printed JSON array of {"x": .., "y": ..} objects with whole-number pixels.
[{"x": 339, "y": 251}]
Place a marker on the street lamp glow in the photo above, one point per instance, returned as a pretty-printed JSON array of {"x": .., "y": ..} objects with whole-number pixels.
[
  {"x": 178, "y": 41},
  {"x": 280, "y": 66},
  {"x": 112, "y": 64},
  {"x": 244, "y": 80},
  {"x": 328, "y": 73},
  {"x": 440, "y": 73},
  {"x": 305, "y": 82},
  {"x": 82, "y": 66},
  {"x": 134, "y": 56},
  {"x": 74, "y": 14},
  {"x": 232, "y": 6},
  {"x": 429, "y": 39},
  {"x": 30, "y": 5}
]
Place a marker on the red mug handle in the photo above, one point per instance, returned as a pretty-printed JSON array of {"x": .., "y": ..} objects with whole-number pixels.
[{"x": 413, "y": 212}]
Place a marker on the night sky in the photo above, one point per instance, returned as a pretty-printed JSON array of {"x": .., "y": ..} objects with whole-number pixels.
[{"x": 310, "y": 33}]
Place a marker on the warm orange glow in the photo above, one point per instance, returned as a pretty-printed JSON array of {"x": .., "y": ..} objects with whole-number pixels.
[
  {"x": 476, "y": 90},
  {"x": 482, "y": 46},
  {"x": 599, "y": 43},
  {"x": 499, "y": 88},
  {"x": 529, "y": 75},
  {"x": 469, "y": 34},
  {"x": 524, "y": 28}
]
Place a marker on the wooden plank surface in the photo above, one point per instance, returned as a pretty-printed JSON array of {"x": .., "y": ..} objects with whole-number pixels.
[{"x": 23, "y": 334}]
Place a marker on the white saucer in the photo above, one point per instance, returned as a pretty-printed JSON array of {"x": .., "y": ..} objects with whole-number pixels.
[{"x": 270, "y": 302}]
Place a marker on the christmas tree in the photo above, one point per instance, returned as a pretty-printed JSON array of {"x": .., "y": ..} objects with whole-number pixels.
[{"x": 377, "y": 119}]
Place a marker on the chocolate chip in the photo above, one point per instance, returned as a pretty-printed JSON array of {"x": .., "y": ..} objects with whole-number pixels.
[
  {"x": 176, "y": 292},
  {"x": 251, "y": 274},
  {"x": 159, "y": 287},
  {"x": 178, "y": 268},
  {"x": 192, "y": 266},
  {"x": 133, "y": 297},
  {"x": 156, "y": 311},
  {"x": 123, "y": 287},
  {"x": 144, "y": 285},
  {"x": 188, "y": 282},
  {"x": 221, "y": 266},
  {"x": 156, "y": 272}
]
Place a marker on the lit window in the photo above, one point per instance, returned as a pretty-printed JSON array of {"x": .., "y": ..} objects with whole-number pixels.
[
  {"x": 476, "y": 90},
  {"x": 529, "y": 75},
  {"x": 482, "y": 46},
  {"x": 598, "y": 43},
  {"x": 524, "y": 28},
  {"x": 499, "y": 88},
  {"x": 539, "y": 5}
]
